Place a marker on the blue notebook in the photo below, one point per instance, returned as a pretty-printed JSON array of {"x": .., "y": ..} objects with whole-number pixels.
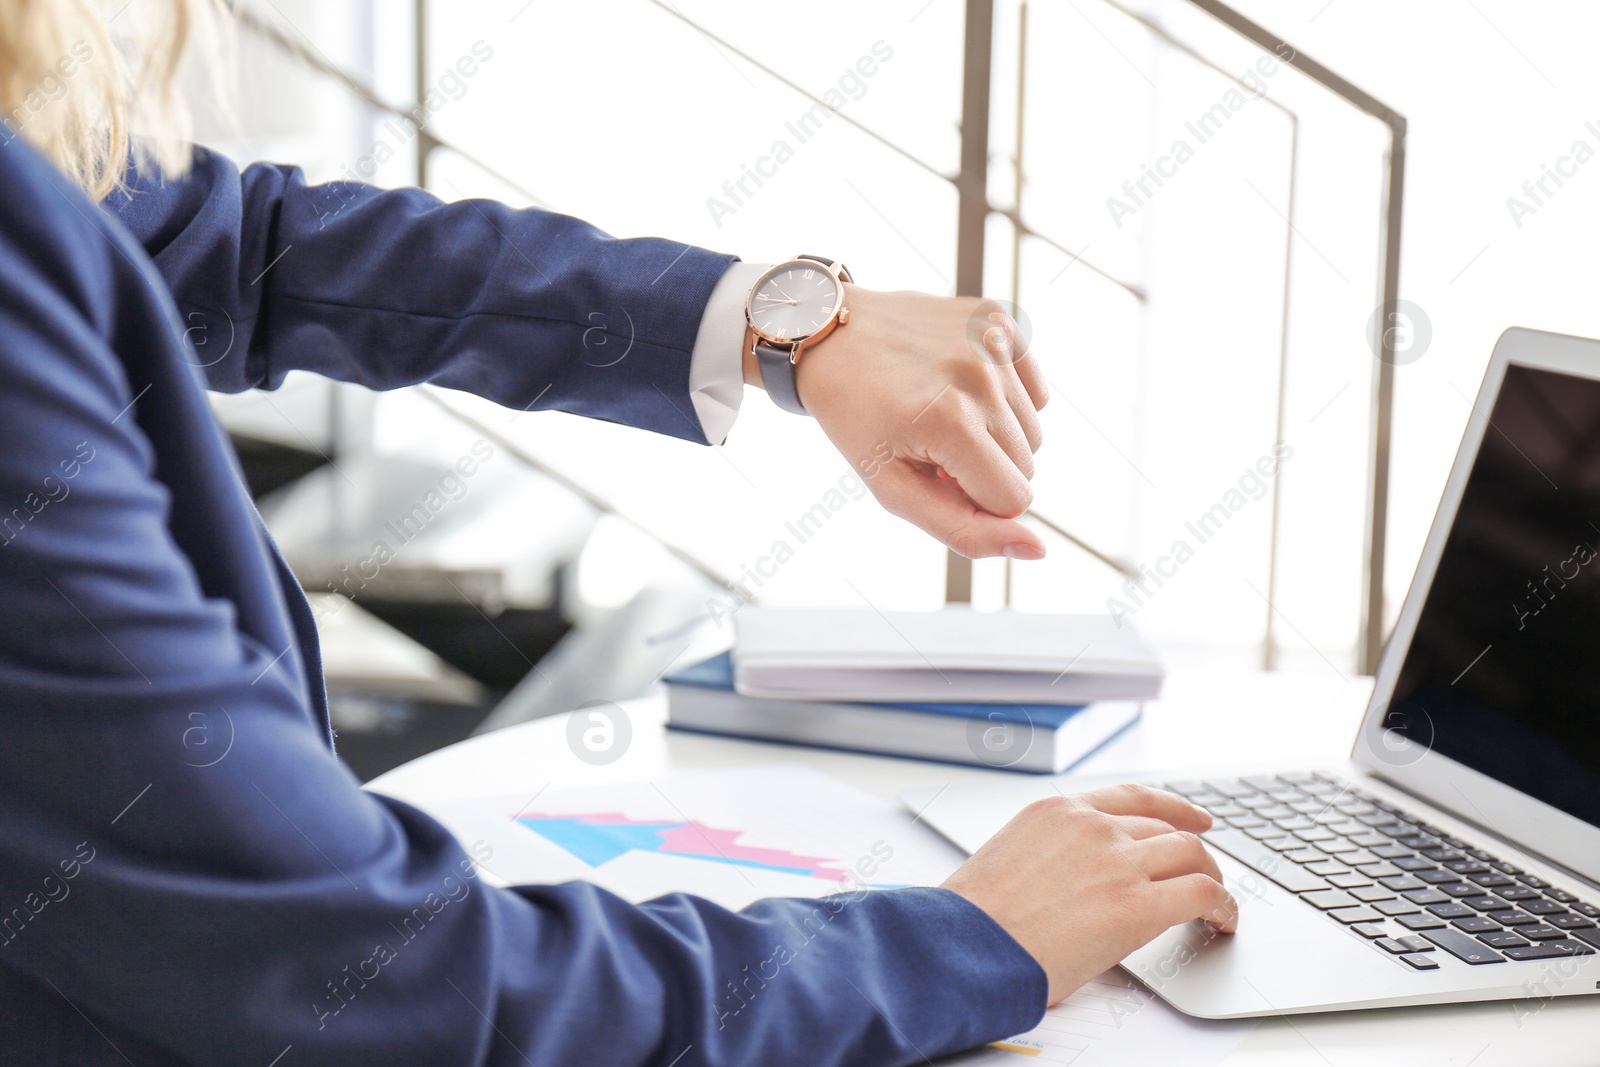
[{"x": 1041, "y": 738}]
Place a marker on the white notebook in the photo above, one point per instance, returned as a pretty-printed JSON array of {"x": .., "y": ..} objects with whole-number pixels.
[{"x": 955, "y": 654}]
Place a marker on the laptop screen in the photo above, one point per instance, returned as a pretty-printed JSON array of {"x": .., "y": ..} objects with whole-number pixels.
[{"x": 1503, "y": 674}]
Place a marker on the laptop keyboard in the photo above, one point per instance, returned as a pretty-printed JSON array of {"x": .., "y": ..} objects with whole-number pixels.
[{"x": 1412, "y": 890}]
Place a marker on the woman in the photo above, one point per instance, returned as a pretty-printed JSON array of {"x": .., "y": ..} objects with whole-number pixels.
[{"x": 264, "y": 910}]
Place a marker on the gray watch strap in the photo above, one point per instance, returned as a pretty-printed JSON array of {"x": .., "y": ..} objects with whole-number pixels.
[
  {"x": 777, "y": 364},
  {"x": 778, "y": 375}
]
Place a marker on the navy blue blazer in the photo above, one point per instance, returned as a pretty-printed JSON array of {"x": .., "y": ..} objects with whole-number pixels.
[{"x": 161, "y": 906}]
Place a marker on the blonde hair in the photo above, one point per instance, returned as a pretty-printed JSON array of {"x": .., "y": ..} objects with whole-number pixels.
[{"x": 79, "y": 78}]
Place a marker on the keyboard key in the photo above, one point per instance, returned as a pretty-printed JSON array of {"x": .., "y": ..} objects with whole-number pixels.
[
  {"x": 1244, "y": 822},
  {"x": 1410, "y": 862},
  {"x": 1306, "y": 855},
  {"x": 1561, "y": 895},
  {"x": 1568, "y": 921},
  {"x": 1377, "y": 818},
  {"x": 1440, "y": 855},
  {"x": 1417, "y": 944},
  {"x": 1371, "y": 931},
  {"x": 1263, "y": 860},
  {"x": 1284, "y": 844},
  {"x": 1419, "y": 841},
  {"x": 1308, "y": 807},
  {"x": 1260, "y": 781},
  {"x": 1589, "y": 936},
  {"x": 1252, "y": 803},
  {"x": 1276, "y": 811},
  {"x": 1479, "y": 854},
  {"x": 1541, "y": 932},
  {"x": 1543, "y": 907},
  {"x": 1381, "y": 869},
  {"x": 1372, "y": 841},
  {"x": 1426, "y": 896},
  {"x": 1586, "y": 909},
  {"x": 1400, "y": 883},
  {"x": 1345, "y": 849},
  {"x": 1476, "y": 924},
  {"x": 1396, "y": 907},
  {"x": 1467, "y": 866},
  {"x": 1533, "y": 882},
  {"x": 1545, "y": 950},
  {"x": 1434, "y": 876},
  {"x": 1490, "y": 879},
  {"x": 1389, "y": 944},
  {"x": 1394, "y": 829},
  {"x": 1312, "y": 837},
  {"x": 1325, "y": 867},
  {"x": 1484, "y": 903},
  {"x": 1504, "y": 939},
  {"x": 1511, "y": 917},
  {"x": 1369, "y": 893},
  {"x": 1463, "y": 947},
  {"x": 1459, "y": 889},
  {"x": 1421, "y": 962},
  {"x": 1231, "y": 788},
  {"x": 1187, "y": 789},
  {"x": 1261, "y": 832},
  {"x": 1504, "y": 868},
  {"x": 1329, "y": 899},
  {"x": 1298, "y": 822},
  {"x": 1516, "y": 892},
  {"x": 1420, "y": 922},
  {"x": 1357, "y": 881},
  {"x": 1223, "y": 811},
  {"x": 1451, "y": 910},
  {"x": 1319, "y": 788},
  {"x": 1391, "y": 852},
  {"x": 1356, "y": 915}
]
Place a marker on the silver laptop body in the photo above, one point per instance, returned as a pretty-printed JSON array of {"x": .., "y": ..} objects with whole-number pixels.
[{"x": 1472, "y": 795}]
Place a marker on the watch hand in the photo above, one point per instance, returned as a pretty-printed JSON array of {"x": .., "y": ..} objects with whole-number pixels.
[{"x": 775, "y": 300}]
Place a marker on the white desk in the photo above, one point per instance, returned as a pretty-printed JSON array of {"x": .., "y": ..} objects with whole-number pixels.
[{"x": 1206, "y": 718}]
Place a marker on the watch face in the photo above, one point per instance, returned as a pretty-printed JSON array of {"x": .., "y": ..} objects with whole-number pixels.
[{"x": 792, "y": 301}]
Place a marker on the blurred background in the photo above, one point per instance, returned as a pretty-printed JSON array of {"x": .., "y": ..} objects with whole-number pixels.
[{"x": 1195, "y": 234}]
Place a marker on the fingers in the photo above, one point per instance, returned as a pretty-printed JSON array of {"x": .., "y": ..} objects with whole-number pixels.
[
  {"x": 1141, "y": 827},
  {"x": 1134, "y": 799},
  {"x": 1163, "y": 856},
  {"x": 983, "y": 469},
  {"x": 1196, "y": 896},
  {"x": 1030, "y": 372},
  {"x": 1027, "y": 416},
  {"x": 939, "y": 507}
]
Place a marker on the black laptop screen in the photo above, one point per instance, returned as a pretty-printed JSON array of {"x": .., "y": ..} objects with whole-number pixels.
[{"x": 1503, "y": 674}]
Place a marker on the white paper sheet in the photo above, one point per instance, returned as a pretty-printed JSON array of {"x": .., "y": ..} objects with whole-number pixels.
[
  {"x": 722, "y": 822},
  {"x": 727, "y": 835}
]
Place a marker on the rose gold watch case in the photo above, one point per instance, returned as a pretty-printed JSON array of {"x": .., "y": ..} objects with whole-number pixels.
[{"x": 840, "y": 317}]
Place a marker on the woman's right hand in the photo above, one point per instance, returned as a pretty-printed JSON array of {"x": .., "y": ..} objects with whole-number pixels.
[{"x": 1082, "y": 880}]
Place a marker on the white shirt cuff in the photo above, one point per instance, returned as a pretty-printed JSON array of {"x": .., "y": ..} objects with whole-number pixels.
[{"x": 716, "y": 366}]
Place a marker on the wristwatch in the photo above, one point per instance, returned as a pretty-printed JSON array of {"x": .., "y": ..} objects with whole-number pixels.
[{"x": 791, "y": 307}]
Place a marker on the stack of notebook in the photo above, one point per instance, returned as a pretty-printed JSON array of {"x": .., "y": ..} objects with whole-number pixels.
[{"x": 1024, "y": 692}]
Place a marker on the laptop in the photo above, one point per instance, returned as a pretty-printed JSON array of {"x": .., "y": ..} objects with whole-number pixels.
[{"x": 1456, "y": 856}]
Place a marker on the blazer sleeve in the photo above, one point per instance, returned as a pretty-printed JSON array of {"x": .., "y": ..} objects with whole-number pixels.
[
  {"x": 219, "y": 905},
  {"x": 388, "y": 288}
]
